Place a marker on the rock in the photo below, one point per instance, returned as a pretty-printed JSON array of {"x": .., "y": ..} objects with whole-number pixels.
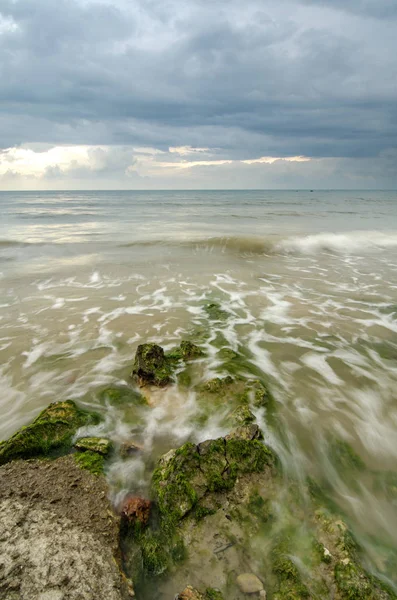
[
  {"x": 249, "y": 583},
  {"x": 95, "y": 444},
  {"x": 128, "y": 449},
  {"x": 186, "y": 475},
  {"x": 189, "y": 593},
  {"x": 151, "y": 366},
  {"x": 242, "y": 415},
  {"x": 190, "y": 351},
  {"x": 215, "y": 312},
  {"x": 90, "y": 461},
  {"x": 246, "y": 432},
  {"x": 51, "y": 432},
  {"x": 218, "y": 384},
  {"x": 63, "y": 542},
  {"x": 227, "y": 354},
  {"x": 136, "y": 510}
]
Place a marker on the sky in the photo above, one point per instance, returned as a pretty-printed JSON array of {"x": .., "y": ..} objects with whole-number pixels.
[{"x": 198, "y": 94}]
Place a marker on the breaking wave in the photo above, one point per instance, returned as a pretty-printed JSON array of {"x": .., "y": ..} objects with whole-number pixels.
[{"x": 353, "y": 242}]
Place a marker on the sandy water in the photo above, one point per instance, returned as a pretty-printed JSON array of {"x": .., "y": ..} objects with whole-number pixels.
[{"x": 309, "y": 283}]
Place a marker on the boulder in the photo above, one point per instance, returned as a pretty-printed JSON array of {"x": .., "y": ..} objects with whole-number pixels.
[{"x": 151, "y": 367}]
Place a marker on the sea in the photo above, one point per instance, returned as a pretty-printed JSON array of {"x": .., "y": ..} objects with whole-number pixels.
[{"x": 307, "y": 280}]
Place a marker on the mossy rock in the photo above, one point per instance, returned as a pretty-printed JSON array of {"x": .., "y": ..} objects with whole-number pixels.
[
  {"x": 242, "y": 415},
  {"x": 185, "y": 351},
  {"x": 50, "y": 434},
  {"x": 100, "y": 445},
  {"x": 184, "y": 476},
  {"x": 151, "y": 366}
]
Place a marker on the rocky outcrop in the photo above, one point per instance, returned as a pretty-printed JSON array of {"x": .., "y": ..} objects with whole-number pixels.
[
  {"x": 50, "y": 433},
  {"x": 58, "y": 534}
]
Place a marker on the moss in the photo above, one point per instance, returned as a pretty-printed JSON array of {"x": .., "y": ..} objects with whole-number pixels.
[
  {"x": 217, "y": 385},
  {"x": 122, "y": 395},
  {"x": 151, "y": 366},
  {"x": 50, "y": 434},
  {"x": 90, "y": 461},
  {"x": 101, "y": 445},
  {"x": 171, "y": 483},
  {"x": 351, "y": 581},
  {"x": 259, "y": 507},
  {"x": 185, "y": 475},
  {"x": 289, "y": 582},
  {"x": 190, "y": 351},
  {"x": 155, "y": 558},
  {"x": 200, "y": 512},
  {"x": 249, "y": 456},
  {"x": 178, "y": 551},
  {"x": 213, "y": 594}
]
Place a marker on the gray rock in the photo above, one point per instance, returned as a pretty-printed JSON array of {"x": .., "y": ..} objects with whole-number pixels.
[{"x": 249, "y": 583}]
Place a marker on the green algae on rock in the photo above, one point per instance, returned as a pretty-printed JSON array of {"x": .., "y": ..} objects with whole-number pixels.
[
  {"x": 49, "y": 434},
  {"x": 90, "y": 461},
  {"x": 185, "y": 351},
  {"x": 215, "y": 312},
  {"x": 100, "y": 445},
  {"x": 184, "y": 476},
  {"x": 151, "y": 366}
]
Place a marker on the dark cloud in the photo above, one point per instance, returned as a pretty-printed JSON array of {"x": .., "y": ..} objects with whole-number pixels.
[{"x": 249, "y": 79}]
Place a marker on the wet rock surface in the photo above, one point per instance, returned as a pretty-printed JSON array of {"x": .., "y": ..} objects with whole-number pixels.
[
  {"x": 58, "y": 534},
  {"x": 151, "y": 367}
]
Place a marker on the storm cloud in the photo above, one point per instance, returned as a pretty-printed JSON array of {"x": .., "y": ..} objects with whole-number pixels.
[{"x": 241, "y": 80}]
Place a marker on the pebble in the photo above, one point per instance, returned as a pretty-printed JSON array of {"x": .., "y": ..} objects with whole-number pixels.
[{"x": 249, "y": 583}]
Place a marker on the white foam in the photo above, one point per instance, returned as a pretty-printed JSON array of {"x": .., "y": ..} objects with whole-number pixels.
[{"x": 342, "y": 243}]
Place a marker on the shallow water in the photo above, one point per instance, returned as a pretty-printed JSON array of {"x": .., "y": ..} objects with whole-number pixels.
[{"x": 309, "y": 283}]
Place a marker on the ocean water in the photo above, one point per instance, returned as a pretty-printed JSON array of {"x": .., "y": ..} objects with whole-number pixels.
[{"x": 309, "y": 283}]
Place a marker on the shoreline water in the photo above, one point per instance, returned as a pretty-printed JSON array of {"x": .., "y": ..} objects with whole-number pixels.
[{"x": 315, "y": 317}]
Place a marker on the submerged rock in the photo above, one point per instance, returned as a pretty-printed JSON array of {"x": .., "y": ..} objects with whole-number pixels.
[
  {"x": 122, "y": 395},
  {"x": 189, "y": 593},
  {"x": 128, "y": 449},
  {"x": 151, "y": 367},
  {"x": 59, "y": 535},
  {"x": 249, "y": 583},
  {"x": 50, "y": 433}
]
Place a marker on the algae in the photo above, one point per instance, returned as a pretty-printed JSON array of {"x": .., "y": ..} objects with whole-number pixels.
[
  {"x": 90, "y": 461},
  {"x": 50, "y": 434},
  {"x": 95, "y": 444}
]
